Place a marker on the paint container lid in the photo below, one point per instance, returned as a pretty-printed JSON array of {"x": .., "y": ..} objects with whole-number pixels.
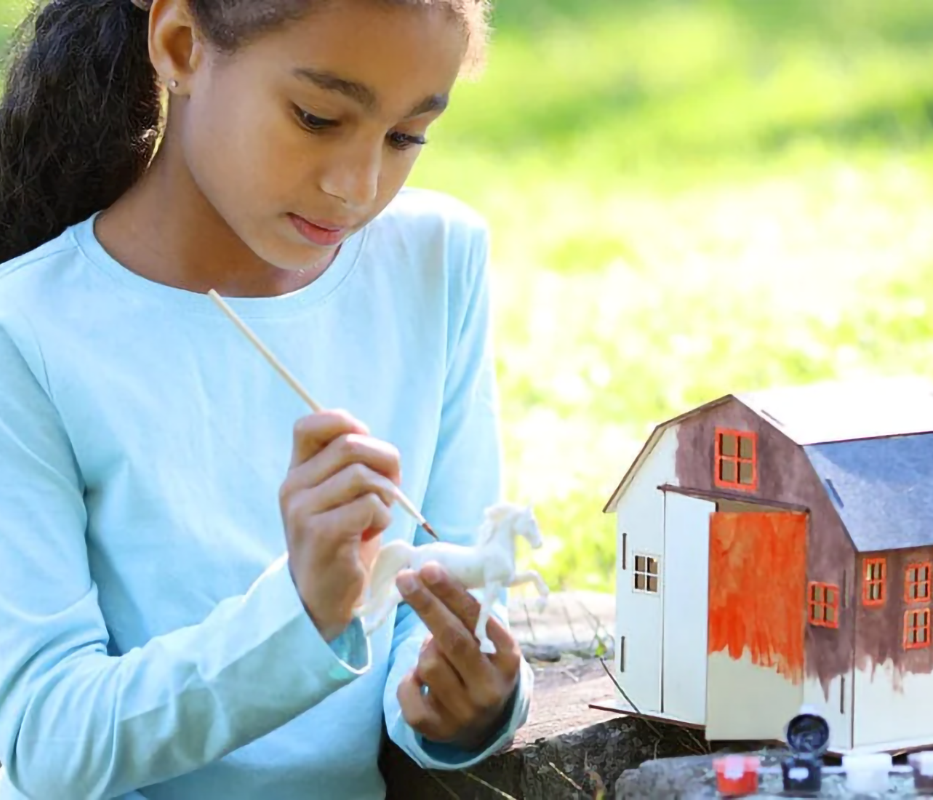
[{"x": 808, "y": 733}]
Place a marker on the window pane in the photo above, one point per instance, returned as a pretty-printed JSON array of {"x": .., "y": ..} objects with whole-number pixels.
[
  {"x": 639, "y": 581},
  {"x": 727, "y": 444},
  {"x": 746, "y": 449},
  {"x": 816, "y": 593},
  {"x": 830, "y": 614},
  {"x": 652, "y": 583},
  {"x": 727, "y": 471},
  {"x": 830, "y": 595},
  {"x": 639, "y": 563},
  {"x": 745, "y": 473},
  {"x": 653, "y": 566}
]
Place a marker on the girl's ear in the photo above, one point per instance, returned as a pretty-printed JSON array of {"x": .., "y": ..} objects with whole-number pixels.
[{"x": 175, "y": 48}]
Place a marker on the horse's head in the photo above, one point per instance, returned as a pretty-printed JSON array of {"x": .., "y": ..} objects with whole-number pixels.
[{"x": 518, "y": 520}]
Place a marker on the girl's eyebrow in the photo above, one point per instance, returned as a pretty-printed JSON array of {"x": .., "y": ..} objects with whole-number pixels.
[{"x": 363, "y": 94}]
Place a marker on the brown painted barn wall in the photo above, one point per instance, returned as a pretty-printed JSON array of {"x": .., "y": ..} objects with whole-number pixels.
[
  {"x": 880, "y": 629},
  {"x": 785, "y": 476}
]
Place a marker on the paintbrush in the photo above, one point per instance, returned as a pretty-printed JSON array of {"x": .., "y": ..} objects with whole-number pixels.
[{"x": 316, "y": 407}]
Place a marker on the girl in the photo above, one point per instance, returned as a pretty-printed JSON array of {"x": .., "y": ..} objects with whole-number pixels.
[{"x": 182, "y": 543}]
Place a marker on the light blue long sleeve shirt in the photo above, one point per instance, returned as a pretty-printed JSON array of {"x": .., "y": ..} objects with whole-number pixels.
[{"x": 152, "y": 642}]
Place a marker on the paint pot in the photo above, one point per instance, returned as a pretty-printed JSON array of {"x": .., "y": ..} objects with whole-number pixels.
[
  {"x": 736, "y": 775},
  {"x": 807, "y": 737},
  {"x": 807, "y": 733},
  {"x": 803, "y": 775},
  {"x": 867, "y": 773},
  {"x": 922, "y": 764}
]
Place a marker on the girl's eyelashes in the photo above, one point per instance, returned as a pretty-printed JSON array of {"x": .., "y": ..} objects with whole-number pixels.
[
  {"x": 312, "y": 122},
  {"x": 402, "y": 141},
  {"x": 315, "y": 124}
]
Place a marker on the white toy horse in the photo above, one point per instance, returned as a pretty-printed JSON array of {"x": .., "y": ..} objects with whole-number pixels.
[{"x": 488, "y": 565}]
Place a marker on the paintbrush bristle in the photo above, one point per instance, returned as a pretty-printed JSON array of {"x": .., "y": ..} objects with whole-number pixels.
[{"x": 429, "y": 529}]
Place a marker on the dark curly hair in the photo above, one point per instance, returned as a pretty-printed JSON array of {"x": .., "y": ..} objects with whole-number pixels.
[{"x": 82, "y": 108}]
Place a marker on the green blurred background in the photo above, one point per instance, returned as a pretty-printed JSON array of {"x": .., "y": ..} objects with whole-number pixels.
[{"x": 688, "y": 198}]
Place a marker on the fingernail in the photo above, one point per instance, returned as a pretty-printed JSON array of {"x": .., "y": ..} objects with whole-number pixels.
[
  {"x": 433, "y": 574},
  {"x": 407, "y": 583}
]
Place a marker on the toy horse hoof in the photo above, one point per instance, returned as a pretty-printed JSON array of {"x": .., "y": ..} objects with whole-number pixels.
[{"x": 540, "y": 604}]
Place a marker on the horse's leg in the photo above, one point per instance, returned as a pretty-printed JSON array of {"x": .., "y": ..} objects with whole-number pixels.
[
  {"x": 530, "y": 576},
  {"x": 490, "y": 593},
  {"x": 381, "y": 612}
]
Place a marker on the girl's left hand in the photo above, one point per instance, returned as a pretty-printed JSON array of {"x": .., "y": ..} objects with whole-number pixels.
[{"x": 467, "y": 691}]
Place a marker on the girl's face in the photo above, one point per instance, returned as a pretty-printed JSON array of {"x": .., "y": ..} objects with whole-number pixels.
[{"x": 303, "y": 136}]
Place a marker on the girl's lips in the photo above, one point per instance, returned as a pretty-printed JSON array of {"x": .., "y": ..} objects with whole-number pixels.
[{"x": 322, "y": 234}]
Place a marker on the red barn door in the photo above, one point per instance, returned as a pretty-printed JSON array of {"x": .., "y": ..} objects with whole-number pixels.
[{"x": 757, "y": 589}]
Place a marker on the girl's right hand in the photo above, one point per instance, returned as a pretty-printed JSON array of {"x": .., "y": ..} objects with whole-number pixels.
[{"x": 335, "y": 502}]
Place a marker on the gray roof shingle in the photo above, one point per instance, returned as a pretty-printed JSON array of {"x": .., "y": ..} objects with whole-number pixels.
[{"x": 882, "y": 488}]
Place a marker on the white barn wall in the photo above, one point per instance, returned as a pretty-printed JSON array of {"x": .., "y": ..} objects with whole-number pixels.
[
  {"x": 685, "y": 602},
  {"x": 885, "y": 715},
  {"x": 748, "y": 701},
  {"x": 640, "y": 516}
]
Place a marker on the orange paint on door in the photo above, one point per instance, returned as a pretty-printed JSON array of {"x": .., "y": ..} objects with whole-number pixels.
[{"x": 757, "y": 586}]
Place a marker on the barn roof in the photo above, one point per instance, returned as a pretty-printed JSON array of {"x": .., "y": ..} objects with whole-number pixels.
[
  {"x": 841, "y": 412},
  {"x": 882, "y": 488},
  {"x": 838, "y": 411}
]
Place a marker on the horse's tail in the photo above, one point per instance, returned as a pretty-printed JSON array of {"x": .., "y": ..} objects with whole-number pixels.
[{"x": 392, "y": 559}]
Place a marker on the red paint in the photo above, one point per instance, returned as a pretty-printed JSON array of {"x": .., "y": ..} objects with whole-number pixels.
[
  {"x": 736, "y": 775},
  {"x": 873, "y": 581},
  {"x": 744, "y": 447},
  {"x": 917, "y": 583},
  {"x": 823, "y": 604},
  {"x": 757, "y": 580}
]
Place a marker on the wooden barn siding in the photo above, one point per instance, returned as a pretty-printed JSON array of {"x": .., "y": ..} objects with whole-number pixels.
[
  {"x": 880, "y": 629},
  {"x": 784, "y": 475}
]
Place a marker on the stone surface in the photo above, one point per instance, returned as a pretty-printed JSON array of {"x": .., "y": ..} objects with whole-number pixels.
[
  {"x": 693, "y": 778},
  {"x": 567, "y": 749}
]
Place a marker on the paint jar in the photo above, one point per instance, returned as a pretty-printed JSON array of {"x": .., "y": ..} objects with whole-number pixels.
[
  {"x": 867, "y": 773},
  {"x": 803, "y": 775},
  {"x": 736, "y": 775},
  {"x": 807, "y": 737},
  {"x": 922, "y": 764}
]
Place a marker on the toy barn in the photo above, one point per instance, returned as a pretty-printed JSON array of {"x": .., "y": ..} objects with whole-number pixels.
[{"x": 775, "y": 550}]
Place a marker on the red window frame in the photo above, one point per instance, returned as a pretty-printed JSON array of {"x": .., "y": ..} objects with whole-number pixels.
[
  {"x": 917, "y": 577},
  {"x": 737, "y": 460},
  {"x": 823, "y": 604},
  {"x": 916, "y": 628},
  {"x": 874, "y": 581}
]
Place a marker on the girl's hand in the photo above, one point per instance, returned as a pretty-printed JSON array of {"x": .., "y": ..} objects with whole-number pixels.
[
  {"x": 467, "y": 691},
  {"x": 335, "y": 503}
]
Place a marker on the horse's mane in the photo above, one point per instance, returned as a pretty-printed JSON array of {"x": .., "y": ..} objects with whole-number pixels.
[{"x": 496, "y": 516}]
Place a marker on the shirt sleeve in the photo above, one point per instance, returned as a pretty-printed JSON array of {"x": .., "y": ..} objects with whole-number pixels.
[
  {"x": 78, "y": 722},
  {"x": 465, "y": 479}
]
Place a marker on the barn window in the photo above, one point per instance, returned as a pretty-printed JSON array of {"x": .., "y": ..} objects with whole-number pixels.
[
  {"x": 736, "y": 460},
  {"x": 823, "y": 604},
  {"x": 917, "y": 583},
  {"x": 873, "y": 574},
  {"x": 917, "y": 629},
  {"x": 646, "y": 574}
]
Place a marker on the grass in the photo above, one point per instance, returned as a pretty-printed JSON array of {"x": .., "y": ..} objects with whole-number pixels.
[{"x": 688, "y": 198}]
